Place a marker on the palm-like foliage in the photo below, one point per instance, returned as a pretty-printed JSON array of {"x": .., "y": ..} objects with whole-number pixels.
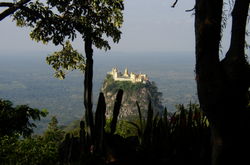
[{"x": 182, "y": 137}]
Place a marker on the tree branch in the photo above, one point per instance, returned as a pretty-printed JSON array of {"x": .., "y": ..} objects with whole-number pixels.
[
  {"x": 189, "y": 10},
  {"x": 28, "y": 10},
  {"x": 239, "y": 20},
  {"x": 235, "y": 63},
  {"x": 174, "y": 3},
  {"x": 12, "y": 8},
  {"x": 6, "y": 4}
]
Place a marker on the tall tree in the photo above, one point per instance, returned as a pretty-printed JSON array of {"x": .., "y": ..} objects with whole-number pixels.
[
  {"x": 223, "y": 84},
  {"x": 94, "y": 20}
]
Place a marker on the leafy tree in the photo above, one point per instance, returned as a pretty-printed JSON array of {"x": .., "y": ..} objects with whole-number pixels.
[
  {"x": 57, "y": 20},
  {"x": 18, "y": 120},
  {"x": 32, "y": 150},
  {"x": 53, "y": 133},
  {"x": 7, "y": 148},
  {"x": 36, "y": 150}
]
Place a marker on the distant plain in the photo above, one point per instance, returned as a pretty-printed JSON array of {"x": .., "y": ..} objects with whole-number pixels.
[{"x": 25, "y": 78}]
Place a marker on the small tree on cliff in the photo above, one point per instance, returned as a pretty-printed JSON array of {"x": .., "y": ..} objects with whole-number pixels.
[{"x": 57, "y": 20}]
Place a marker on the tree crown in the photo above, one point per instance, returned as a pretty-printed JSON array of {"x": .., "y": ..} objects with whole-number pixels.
[{"x": 59, "y": 20}]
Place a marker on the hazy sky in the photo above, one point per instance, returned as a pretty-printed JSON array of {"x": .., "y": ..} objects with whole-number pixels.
[{"x": 149, "y": 25}]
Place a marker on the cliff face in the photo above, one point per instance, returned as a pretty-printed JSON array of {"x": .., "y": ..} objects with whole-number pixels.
[{"x": 133, "y": 92}]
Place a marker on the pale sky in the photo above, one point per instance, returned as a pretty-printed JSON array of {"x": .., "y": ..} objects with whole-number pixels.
[{"x": 149, "y": 26}]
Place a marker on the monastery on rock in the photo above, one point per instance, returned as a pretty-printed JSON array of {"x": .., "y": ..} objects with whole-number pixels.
[{"x": 132, "y": 77}]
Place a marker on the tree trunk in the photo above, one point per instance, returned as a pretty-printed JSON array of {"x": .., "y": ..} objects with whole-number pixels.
[
  {"x": 88, "y": 89},
  {"x": 223, "y": 85}
]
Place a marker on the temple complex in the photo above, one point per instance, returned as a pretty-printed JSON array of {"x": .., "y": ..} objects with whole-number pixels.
[{"x": 126, "y": 76}]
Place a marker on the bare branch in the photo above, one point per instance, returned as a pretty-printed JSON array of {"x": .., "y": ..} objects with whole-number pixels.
[
  {"x": 189, "y": 10},
  {"x": 238, "y": 36},
  {"x": 174, "y": 3},
  {"x": 6, "y": 4},
  {"x": 12, "y": 8}
]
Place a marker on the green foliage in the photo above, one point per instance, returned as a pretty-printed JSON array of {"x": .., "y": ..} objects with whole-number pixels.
[
  {"x": 165, "y": 138},
  {"x": 56, "y": 20},
  {"x": 32, "y": 150},
  {"x": 37, "y": 151},
  {"x": 17, "y": 120},
  {"x": 66, "y": 59},
  {"x": 132, "y": 92},
  {"x": 53, "y": 133},
  {"x": 73, "y": 128},
  {"x": 7, "y": 148},
  {"x": 114, "y": 86},
  {"x": 183, "y": 125},
  {"x": 179, "y": 138},
  {"x": 123, "y": 128}
]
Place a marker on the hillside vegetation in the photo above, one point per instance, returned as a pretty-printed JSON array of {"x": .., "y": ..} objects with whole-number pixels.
[{"x": 133, "y": 92}]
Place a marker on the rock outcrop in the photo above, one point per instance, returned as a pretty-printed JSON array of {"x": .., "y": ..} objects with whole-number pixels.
[{"x": 133, "y": 92}]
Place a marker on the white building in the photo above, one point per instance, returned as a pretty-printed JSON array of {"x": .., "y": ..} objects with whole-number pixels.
[{"x": 132, "y": 77}]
